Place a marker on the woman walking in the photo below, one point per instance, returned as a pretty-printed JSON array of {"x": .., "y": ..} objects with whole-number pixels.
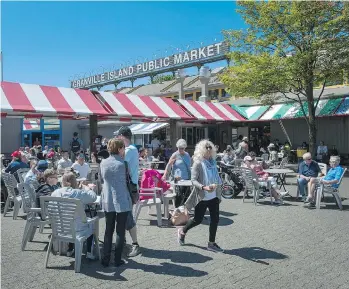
[
  {"x": 206, "y": 193},
  {"x": 116, "y": 200}
]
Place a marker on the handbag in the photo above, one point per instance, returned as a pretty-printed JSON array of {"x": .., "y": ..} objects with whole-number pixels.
[
  {"x": 132, "y": 188},
  {"x": 179, "y": 216}
]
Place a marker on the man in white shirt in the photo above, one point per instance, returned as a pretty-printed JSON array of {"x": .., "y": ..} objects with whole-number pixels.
[
  {"x": 64, "y": 163},
  {"x": 155, "y": 143},
  {"x": 81, "y": 167}
]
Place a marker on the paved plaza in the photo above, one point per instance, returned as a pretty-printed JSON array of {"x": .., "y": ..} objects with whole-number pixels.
[{"x": 266, "y": 247}]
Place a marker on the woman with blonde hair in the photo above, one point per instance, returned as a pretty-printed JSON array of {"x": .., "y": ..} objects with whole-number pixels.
[{"x": 205, "y": 194}]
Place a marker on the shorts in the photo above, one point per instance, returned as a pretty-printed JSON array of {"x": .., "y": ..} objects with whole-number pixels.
[{"x": 130, "y": 222}]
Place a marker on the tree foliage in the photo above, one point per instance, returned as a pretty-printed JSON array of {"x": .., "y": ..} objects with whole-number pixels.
[
  {"x": 161, "y": 78},
  {"x": 288, "y": 48}
]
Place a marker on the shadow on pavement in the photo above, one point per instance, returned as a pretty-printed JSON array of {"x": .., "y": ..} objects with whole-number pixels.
[
  {"x": 95, "y": 270},
  {"x": 223, "y": 221},
  {"x": 227, "y": 214},
  {"x": 255, "y": 254}
]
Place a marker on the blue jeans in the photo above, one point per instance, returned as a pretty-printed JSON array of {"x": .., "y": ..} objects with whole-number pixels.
[{"x": 302, "y": 184}]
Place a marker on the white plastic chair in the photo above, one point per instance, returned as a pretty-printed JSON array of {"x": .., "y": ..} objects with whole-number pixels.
[
  {"x": 152, "y": 192},
  {"x": 328, "y": 189},
  {"x": 62, "y": 213},
  {"x": 166, "y": 198},
  {"x": 33, "y": 214},
  {"x": 323, "y": 168},
  {"x": 21, "y": 174},
  {"x": 265, "y": 157},
  {"x": 11, "y": 185},
  {"x": 251, "y": 183}
]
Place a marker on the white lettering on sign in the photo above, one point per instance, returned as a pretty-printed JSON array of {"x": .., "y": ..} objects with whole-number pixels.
[{"x": 192, "y": 57}]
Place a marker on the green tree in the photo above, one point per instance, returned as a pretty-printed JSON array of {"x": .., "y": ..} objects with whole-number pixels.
[
  {"x": 288, "y": 48},
  {"x": 161, "y": 78}
]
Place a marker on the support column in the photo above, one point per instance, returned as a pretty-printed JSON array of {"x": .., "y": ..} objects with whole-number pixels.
[
  {"x": 173, "y": 133},
  {"x": 133, "y": 81},
  {"x": 152, "y": 78},
  {"x": 93, "y": 132}
]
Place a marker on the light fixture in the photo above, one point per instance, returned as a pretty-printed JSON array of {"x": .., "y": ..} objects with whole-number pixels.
[
  {"x": 204, "y": 72},
  {"x": 180, "y": 74}
]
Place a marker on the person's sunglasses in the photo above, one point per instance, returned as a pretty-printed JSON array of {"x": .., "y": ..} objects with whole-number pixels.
[
  {"x": 308, "y": 159},
  {"x": 208, "y": 147}
]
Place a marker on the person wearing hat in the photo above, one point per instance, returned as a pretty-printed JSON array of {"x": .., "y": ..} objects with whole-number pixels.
[
  {"x": 273, "y": 154},
  {"x": 242, "y": 150},
  {"x": 36, "y": 172},
  {"x": 16, "y": 163},
  {"x": 132, "y": 159},
  {"x": 81, "y": 166},
  {"x": 229, "y": 155}
]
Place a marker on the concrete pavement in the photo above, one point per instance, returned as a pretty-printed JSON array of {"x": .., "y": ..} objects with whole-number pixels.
[{"x": 266, "y": 247}]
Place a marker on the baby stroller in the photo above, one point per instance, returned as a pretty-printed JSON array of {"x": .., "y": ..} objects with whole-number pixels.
[{"x": 232, "y": 181}]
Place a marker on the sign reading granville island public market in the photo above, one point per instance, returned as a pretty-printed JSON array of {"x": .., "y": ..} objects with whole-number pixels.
[{"x": 205, "y": 54}]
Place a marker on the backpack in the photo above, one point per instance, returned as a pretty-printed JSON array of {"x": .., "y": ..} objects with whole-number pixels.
[{"x": 75, "y": 145}]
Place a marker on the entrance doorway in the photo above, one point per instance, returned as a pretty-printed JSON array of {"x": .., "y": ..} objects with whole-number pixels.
[{"x": 36, "y": 138}]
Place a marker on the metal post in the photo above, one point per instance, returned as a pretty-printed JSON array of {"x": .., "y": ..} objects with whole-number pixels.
[
  {"x": 173, "y": 133},
  {"x": 93, "y": 131}
]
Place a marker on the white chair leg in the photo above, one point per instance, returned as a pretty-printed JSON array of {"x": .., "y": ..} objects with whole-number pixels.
[
  {"x": 7, "y": 205},
  {"x": 32, "y": 232},
  {"x": 338, "y": 200},
  {"x": 318, "y": 198},
  {"x": 158, "y": 214},
  {"x": 243, "y": 198},
  {"x": 41, "y": 229},
  {"x": 16, "y": 210},
  {"x": 97, "y": 249},
  {"x": 26, "y": 235},
  {"x": 48, "y": 251},
  {"x": 78, "y": 254},
  {"x": 166, "y": 207}
]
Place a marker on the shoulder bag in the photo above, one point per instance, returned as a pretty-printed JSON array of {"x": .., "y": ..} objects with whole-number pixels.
[{"x": 132, "y": 188}]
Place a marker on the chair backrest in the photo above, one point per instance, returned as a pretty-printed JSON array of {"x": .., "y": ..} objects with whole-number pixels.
[
  {"x": 340, "y": 180},
  {"x": 27, "y": 193},
  {"x": 250, "y": 178},
  {"x": 62, "y": 213},
  {"x": 21, "y": 174},
  {"x": 10, "y": 183},
  {"x": 323, "y": 168},
  {"x": 284, "y": 162},
  {"x": 238, "y": 162},
  {"x": 265, "y": 157}
]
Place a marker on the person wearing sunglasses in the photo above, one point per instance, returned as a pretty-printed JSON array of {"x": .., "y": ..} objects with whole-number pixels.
[
  {"x": 49, "y": 185},
  {"x": 179, "y": 167},
  {"x": 331, "y": 179},
  {"x": 307, "y": 169},
  {"x": 206, "y": 193}
]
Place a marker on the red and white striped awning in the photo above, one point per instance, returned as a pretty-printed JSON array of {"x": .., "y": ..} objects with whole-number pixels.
[
  {"x": 20, "y": 98},
  {"x": 209, "y": 111},
  {"x": 143, "y": 107}
]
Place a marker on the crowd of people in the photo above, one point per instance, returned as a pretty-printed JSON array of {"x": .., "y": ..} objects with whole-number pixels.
[{"x": 124, "y": 169}]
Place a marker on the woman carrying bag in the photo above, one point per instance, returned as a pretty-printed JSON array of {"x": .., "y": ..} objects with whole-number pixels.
[
  {"x": 205, "y": 194},
  {"x": 179, "y": 167}
]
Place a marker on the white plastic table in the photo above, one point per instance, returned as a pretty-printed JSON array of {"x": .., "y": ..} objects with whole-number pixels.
[{"x": 281, "y": 175}]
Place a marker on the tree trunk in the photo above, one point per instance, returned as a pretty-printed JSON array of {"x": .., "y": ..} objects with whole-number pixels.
[{"x": 311, "y": 120}]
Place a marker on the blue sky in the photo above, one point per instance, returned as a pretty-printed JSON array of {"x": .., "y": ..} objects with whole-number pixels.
[{"x": 49, "y": 42}]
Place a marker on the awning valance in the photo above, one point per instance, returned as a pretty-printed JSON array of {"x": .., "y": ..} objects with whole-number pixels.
[
  {"x": 21, "y": 99},
  {"x": 252, "y": 112},
  {"x": 143, "y": 107},
  {"x": 325, "y": 107},
  {"x": 148, "y": 128},
  {"x": 209, "y": 111}
]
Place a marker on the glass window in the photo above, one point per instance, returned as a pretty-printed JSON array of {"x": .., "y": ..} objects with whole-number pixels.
[
  {"x": 52, "y": 140},
  {"x": 198, "y": 94},
  {"x": 52, "y": 124},
  {"x": 184, "y": 133},
  {"x": 30, "y": 124},
  {"x": 189, "y": 96}
]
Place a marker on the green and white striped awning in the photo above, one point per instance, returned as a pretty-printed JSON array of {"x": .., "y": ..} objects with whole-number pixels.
[
  {"x": 251, "y": 112},
  {"x": 325, "y": 107}
]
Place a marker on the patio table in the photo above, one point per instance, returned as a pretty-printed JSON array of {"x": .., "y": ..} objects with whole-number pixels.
[{"x": 281, "y": 175}]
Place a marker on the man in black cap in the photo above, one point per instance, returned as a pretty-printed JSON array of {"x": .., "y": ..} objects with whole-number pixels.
[{"x": 131, "y": 157}]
